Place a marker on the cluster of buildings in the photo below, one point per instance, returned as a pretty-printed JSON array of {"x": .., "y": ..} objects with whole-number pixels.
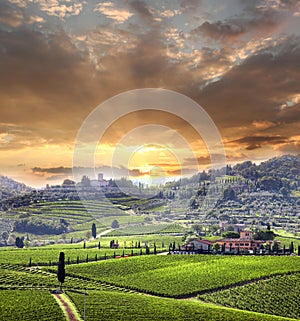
[{"x": 244, "y": 243}]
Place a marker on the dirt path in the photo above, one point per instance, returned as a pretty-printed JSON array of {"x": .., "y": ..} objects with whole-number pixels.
[
  {"x": 66, "y": 307},
  {"x": 103, "y": 233}
]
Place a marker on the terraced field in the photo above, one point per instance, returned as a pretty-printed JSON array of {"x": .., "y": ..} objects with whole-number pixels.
[{"x": 79, "y": 216}]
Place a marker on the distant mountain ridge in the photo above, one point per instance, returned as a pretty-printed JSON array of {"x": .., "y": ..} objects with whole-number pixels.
[{"x": 10, "y": 187}]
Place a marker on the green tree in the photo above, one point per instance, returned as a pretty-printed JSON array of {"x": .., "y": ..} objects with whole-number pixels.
[
  {"x": 61, "y": 273},
  {"x": 115, "y": 224},
  {"x": 275, "y": 247},
  {"x": 94, "y": 230},
  {"x": 292, "y": 247},
  {"x": 20, "y": 242},
  {"x": 231, "y": 235},
  {"x": 216, "y": 247},
  {"x": 229, "y": 194},
  {"x": 284, "y": 191},
  {"x": 5, "y": 236}
]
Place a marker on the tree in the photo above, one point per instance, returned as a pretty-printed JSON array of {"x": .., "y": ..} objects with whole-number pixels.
[
  {"x": 85, "y": 181},
  {"x": 5, "y": 236},
  {"x": 61, "y": 273},
  {"x": 216, "y": 247},
  {"x": 115, "y": 224},
  {"x": 20, "y": 242},
  {"x": 94, "y": 230},
  {"x": 264, "y": 235},
  {"x": 292, "y": 247},
  {"x": 231, "y": 235},
  {"x": 275, "y": 247},
  {"x": 284, "y": 191},
  {"x": 229, "y": 194}
]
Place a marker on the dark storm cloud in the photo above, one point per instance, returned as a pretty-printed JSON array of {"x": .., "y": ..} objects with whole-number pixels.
[
  {"x": 254, "y": 142},
  {"x": 53, "y": 170},
  {"x": 190, "y": 5},
  {"x": 141, "y": 8},
  {"x": 90, "y": 172},
  {"x": 255, "y": 89},
  {"x": 219, "y": 29},
  {"x": 256, "y": 18}
]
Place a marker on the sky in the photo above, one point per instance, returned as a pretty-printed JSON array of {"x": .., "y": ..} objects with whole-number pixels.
[{"x": 59, "y": 60}]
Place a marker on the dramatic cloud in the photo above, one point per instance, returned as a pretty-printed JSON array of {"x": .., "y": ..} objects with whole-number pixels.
[
  {"x": 61, "y": 9},
  {"x": 254, "y": 142},
  {"x": 60, "y": 59},
  {"x": 111, "y": 11}
]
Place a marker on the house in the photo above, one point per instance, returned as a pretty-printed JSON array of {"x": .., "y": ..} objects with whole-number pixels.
[
  {"x": 244, "y": 242},
  {"x": 199, "y": 245}
]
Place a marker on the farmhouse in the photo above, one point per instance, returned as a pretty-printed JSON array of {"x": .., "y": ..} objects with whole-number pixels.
[
  {"x": 199, "y": 245},
  {"x": 244, "y": 242}
]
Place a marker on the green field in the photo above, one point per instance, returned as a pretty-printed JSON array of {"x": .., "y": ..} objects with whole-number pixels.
[
  {"x": 28, "y": 305},
  {"x": 126, "y": 307},
  {"x": 278, "y": 295},
  {"x": 184, "y": 275},
  {"x": 136, "y": 287}
]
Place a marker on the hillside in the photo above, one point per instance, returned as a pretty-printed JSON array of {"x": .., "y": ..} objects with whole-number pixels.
[{"x": 10, "y": 188}]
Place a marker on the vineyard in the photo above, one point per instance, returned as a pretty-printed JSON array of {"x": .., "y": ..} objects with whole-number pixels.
[
  {"x": 278, "y": 295},
  {"x": 103, "y": 306},
  {"x": 27, "y": 305},
  {"x": 180, "y": 276},
  {"x": 117, "y": 287}
]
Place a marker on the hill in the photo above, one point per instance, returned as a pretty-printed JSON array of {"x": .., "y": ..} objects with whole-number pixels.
[{"x": 10, "y": 188}]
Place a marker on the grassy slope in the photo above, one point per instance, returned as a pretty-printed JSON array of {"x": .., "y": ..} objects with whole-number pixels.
[
  {"x": 126, "y": 307},
  {"x": 278, "y": 295},
  {"x": 182, "y": 275},
  {"x": 28, "y": 305}
]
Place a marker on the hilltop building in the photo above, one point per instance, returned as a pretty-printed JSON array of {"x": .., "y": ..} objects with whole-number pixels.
[{"x": 100, "y": 182}]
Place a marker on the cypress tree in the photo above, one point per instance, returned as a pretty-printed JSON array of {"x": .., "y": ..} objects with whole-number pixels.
[
  {"x": 61, "y": 273},
  {"x": 94, "y": 230},
  {"x": 292, "y": 247},
  {"x": 99, "y": 245},
  {"x": 87, "y": 258}
]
